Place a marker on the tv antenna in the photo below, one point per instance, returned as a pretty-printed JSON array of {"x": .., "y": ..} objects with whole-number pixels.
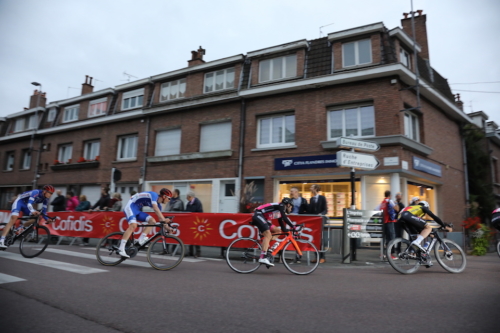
[
  {"x": 67, "y": 94},
  {"x": 321, "y": 32},
  {"x": 128, "y": 76}
]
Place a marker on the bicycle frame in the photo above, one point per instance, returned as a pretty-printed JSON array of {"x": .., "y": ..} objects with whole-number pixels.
[
  {"x": 28, "y": 228},
  {"x": 435, "y": 239},
  {"x": 289, "y": 236}
]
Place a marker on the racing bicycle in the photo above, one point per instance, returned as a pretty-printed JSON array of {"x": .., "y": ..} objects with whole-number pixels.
[
  {"x": 296, "y": 253},
  {"x": 409, "y": 258},
  {"x": 34, "y": 238},
  {"x": 164, "y": 251}
]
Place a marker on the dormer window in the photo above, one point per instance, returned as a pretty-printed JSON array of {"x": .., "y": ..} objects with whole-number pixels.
[
  {"x": 71, "y": 113},
  {"x": 173, "y": 90},
  {"x": 404, "y": 58},
  {"x": 52, "y": 114},
  {"x": 132, "y": 99},
  {"x": 357, "y": 53},
  {"x": 219, "y": 80},
  {"x": 19, "y": 125},
  {"x": 32, "y": 121},
  {"x": 278, "y": 68},
  {"x": 98, "y": 107}
]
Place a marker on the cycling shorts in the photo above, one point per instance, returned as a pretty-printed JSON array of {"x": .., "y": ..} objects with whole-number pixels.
[
  {"x": 413, "y": 221},
  {"x": 261, "y": 223},
  {"x": 134, "y": 214},
  {"x": 18, "y": 206}
]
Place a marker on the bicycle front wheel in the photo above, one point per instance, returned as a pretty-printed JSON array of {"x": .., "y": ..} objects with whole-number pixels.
[
  {"x": 107, "y": 249},
  {"x": 498, "y": 248},
  {"x": 406, "y": 260},
  {"x": 300, "y": 264},
  {"x": 34, "y": 242},
  {"x": 243, "y": 255},
  {"x": 10, "y": 234},
  {"x": 450, "y": 256},
  {"x": 166, "y": 252}
]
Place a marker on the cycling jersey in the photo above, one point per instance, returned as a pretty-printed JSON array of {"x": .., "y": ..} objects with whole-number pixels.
[
  {"x": 495, "y": 218},
  {"x": 267, "y": 212},
  {"x": 24, "y": 202},
  {"x": 420, "y": 211},
  {"x": 133, "y": 209}
]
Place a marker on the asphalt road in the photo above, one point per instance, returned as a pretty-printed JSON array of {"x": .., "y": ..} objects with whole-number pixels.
[{"x": 206, "y": 296}]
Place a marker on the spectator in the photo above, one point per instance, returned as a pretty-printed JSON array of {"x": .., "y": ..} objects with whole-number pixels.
[
  {"x": 414, "y": 201},
  {"x": 193, "y": 205},
  {"x": 84, "y": 204},
  {"x": 71, "y": 201},
  {"x": 103, "y": 202},
  {"x": 59, "y": 202},
  {"x": 299, "y": 203},
  {"x": 175, "y": 204},
  {"x": 317, "y": 206},
  {"x": 389, "y": 217},
  {"x": 116, "y": 202}
]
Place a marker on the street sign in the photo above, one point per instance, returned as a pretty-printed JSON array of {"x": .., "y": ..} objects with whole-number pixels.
[
  {"x": 357, "y": 160},
  {"x": 357, "y": 144}
]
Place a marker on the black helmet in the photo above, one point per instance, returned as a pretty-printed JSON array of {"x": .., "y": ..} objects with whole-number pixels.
[{"x": 287, "y": 201}]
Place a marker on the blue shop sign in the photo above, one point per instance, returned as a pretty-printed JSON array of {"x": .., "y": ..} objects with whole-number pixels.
[
  {"x": 306, "y": 162},
  {"x": 425, "y": 166}
]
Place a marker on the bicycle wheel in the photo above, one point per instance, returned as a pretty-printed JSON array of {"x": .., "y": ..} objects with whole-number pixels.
[
  {"x": 35, "y": 241},
  {"x": 498, "y": 248},
  {"x": 407, "y": 261},
  {"x": 166, "y": 252},
  {"x": 8, "y": 238},
  {"x": 243, "y": 255},
  {"x": 452, "y": 260},
  {"x": 107, "y": 249},
  {"x": 301, "y": 265}
]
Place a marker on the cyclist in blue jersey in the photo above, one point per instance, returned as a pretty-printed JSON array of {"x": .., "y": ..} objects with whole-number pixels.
[
  {"x": 133, "y": 212},
  {"x": 24, "y": 204}
]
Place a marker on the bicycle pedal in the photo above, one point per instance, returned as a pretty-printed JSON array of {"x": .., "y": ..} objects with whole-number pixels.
[{"x": 268, "y": 266}]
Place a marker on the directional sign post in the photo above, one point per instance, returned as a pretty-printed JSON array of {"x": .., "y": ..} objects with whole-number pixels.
[{"x": 357, "y": 144}]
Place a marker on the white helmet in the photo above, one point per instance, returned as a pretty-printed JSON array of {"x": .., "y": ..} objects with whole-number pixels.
[{"x": 424, "y": 203}]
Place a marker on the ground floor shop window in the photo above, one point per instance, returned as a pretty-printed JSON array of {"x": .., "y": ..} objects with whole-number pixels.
[
  {"x": 201, "y": 189},
  {"x": 424, "y": 192}
]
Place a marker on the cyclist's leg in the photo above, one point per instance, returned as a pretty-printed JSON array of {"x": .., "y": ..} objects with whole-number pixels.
[
  {"x": 17, "y": 207},
  {"x": 261, "y": 223},
  {"x": 144, "y": 217}
]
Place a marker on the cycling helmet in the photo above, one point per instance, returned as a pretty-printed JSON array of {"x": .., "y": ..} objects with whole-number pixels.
[
  {"x": 424, "y": 203},
  {"x": 166, "y": 191},
  {"x": 49, "y": 188},
  {"x": 287, "y": 201}
]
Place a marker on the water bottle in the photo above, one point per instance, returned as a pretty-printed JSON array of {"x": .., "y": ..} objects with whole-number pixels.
[
  {"x": 275, "y": 245},
  {"x": 426, "y": 245}
]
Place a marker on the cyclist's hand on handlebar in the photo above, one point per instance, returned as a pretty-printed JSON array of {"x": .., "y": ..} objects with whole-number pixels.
[
  {"x": 35, "y": 213},
  {"x": 448, "y": 227}
]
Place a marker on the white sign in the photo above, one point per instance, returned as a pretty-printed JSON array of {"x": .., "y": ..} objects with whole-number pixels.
[
  {"x": 391, "y": 161},
  {"x": 357, "y": 160},
  {"x": 404, "y": 165},
  {"x": 357, "y": 144}
]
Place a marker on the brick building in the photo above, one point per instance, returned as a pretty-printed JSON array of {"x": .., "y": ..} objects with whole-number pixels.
[{"x": 216, "y": 126}]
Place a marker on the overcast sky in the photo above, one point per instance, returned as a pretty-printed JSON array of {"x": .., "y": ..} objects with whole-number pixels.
[{"x": 58, "y": 42}]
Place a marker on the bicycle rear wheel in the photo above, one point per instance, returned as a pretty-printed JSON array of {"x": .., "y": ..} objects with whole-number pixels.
[
  {"x": 107, "y": 249},
  {"x": 9, "y": 237},
  {"x": 34, "y": 242},
  {"x": 166, "y": 252},
  {"x": 243, "y": 255},
  {"x": 452, "y": 260},
  {"x": 297, "y": 264},
  {"x": 407, "y": 260},
  {"x": 498, "y": 248}
]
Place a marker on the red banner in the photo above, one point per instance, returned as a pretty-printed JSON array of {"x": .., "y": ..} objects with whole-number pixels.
[{"x": 206, "y": 229}]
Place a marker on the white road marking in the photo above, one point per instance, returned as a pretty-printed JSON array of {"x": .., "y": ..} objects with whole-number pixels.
[
  {"x": 4, "y": 278},
  {"x": 143, "y": 254}
]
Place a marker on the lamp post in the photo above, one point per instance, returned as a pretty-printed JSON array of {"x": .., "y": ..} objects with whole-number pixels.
[{"x": 35, "y": 178}]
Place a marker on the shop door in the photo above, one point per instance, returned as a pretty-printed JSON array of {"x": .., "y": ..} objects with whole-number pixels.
[{"x": 227, "y": 197}]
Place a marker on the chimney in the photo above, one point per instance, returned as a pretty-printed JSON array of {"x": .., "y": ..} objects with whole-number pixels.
[
  {"x": 197, "y": 57},
  {"x": 34, "y": 101},
  {"x": 87, "y": 87},
  {"x": 458, "y": 102},
  {"x": 420, "y": 30}
]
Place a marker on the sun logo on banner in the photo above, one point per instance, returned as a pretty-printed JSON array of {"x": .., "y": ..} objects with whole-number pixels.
[
  {"x": 201, "y": 229},
  {"x": 107, "y": 225}
]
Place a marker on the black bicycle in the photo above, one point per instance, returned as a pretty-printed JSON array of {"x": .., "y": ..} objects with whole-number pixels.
[
  {"x": 408, "y": 258},
  {"x": 164, "y": 251},
  {"x": 34, "y": 238}
]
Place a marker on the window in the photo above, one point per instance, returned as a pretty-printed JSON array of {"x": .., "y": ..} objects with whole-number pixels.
[
  {"x": 215, "y": 137},
  {"x": 404, "y": 58},
  {"x": 32, "y": 121},
  {"x": 172, "y": 90},
  {"x": 98, "y": 107},
  {"x": 65, "y": 152},
  {"x": 411, "y": 126},
  {"x": 168, "y": 142},
  {"x": 9, "y": 165},
  {"x": 26, "y": 159},
  {"x": 219, "y": 80},
  {"x": 52, "y": 114},
  {"x": 91, "y": 150},
  {"x": 19, "y": 125},
  {"x": 71, "y": 113},
  {"x": 352, "y": 121},
  {"x": 127, "y": 148},
  {"x": 276, "y": 131},
  {"x": 132, "y": 99},
  {"x": 278, "y": 68},
  {"x": 357, "y": 53}
]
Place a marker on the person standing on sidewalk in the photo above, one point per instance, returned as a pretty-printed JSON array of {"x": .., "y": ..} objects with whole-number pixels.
[
  {"x": 318, "y": 206},
  {"x": 193, "y": 205},
  {"x": 389, "y": 217},
  {"x": 299, "y": 204}
]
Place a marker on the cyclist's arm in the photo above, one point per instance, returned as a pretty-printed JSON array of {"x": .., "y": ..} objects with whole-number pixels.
[
  {"x": 284, "y": 218},
  {"x": 33, "y": 211},
  {"x": 434, "y": 217},
  {"x": 158, "y": 212}
]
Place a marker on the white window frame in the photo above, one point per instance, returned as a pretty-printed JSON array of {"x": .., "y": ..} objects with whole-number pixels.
[
  {"x": 356, "y": 53},
  {"x": 404, "y": 57},
  {"x": 130, "y": 99},
  {"x": 26, "y": 160},
  {"x": 409, "y": 120},
  {"x": 52, "y": 114},
  {"x": 10, "y": 160},
  {"x": 171, "y": 140},
  {"x": 124, "y": 142},
  {"x": 283, "y": 142},
  {"x": 165, "y": 89},
  {"x": 358, "y": 116},
  {"x": 209, "y": 140},
  {"x": 32, "y": 121},
  {"x": 96, "y": 102},
  {"x": 70, "y": 113},
  {"x": 283, "y": 68},
  {"x": 19, "y": 125},
  {"x": 91, "y": 149},
  {"x": 213, "y": 79},
  {"x": 65, "y": 153}
]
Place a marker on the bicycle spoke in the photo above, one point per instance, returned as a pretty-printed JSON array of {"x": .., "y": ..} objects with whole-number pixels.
[
  {"x": 34, "y": 241},
  {"x": 243, "y": 254},
  {"x": 406, "y": 260},
  {"x": 300, "y": 264},
  {"x": 165, "y": 252},
  {"x": 450, "y": 256},
  {"x": 107, "y": 249}
]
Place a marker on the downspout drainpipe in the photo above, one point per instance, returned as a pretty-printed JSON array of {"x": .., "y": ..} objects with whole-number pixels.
[
  {"x": 241, "y": 149},
  {"x": 144, "y": 161},
  {"x": 466, "y": 176}
]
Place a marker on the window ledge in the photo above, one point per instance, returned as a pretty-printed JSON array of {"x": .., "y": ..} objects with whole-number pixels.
[
  {"x": 8, "y": 170},
  {"x": 389, "y": 140},
  {"x": 74, "y": 166},
  {"x": 190, "y": 156},
  {"x": 125, "y": 161},
  {"x": 278, "y": 80},
  {"x": 274, "y": 148}
]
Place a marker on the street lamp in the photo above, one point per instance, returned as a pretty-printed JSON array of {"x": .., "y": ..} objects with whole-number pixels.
[{"x": 33, "y": 135}]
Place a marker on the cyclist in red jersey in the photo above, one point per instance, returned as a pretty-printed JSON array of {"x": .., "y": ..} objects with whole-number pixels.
[{"x": 262, "y": 217}]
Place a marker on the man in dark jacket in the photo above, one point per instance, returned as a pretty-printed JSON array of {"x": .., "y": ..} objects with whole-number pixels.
[
  {"x": 193, "y": 205},
  {"x": 317, "y": 206},
  {"x": 299, "y": 203},
  {"x": 59, "y": 202}
]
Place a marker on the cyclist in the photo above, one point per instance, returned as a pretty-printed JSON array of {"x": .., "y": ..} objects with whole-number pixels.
[
  {"x": 262, "y": 217},
  {"x": 24, "y": 204},
  {"x": 134, "y": 214},
  {"x": 495, "y": 218}
]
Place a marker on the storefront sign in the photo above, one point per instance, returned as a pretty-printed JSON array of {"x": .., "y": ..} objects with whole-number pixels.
[
  {"x": 357, "y": 144},
  {"x": 357, "y": 160},
  {"x": 306, "y": 162},
  {"x": 388, "y": 161},
  {"x": 425, "y": 166}
]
